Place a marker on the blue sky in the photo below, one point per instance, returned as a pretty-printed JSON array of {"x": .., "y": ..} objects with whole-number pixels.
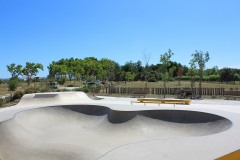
[{"x": 43, "y": 31}]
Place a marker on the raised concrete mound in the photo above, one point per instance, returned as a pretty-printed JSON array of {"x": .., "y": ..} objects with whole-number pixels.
[
  {"x": 54, "y": 98},
  {"x": 72, "y": 126}
]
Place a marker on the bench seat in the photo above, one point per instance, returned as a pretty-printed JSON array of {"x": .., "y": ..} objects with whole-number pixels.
[
  {"x": 232, "y": 94},
  {"x": 139, "y": 93},
  {"x": 232, "y": 97},
  {"x": 162, "y": 101}
]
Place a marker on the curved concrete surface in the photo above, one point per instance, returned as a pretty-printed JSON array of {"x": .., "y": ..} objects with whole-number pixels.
[{"x": 72, "y": 126}]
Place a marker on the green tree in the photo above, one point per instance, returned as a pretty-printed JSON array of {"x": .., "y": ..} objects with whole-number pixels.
[
  {"x": 15, "y": 70},
  {"x": 78, "y": 69},
  {"x": 117, "y": 72},
  {"x": 31, "y": 69},
  {"x": 130, "y": 71},
  {"x": 129, "y": 67},
  {"x": 227, "y": 75},
  {"x": 148, "y": 76},
  {"x": 13, "y": 83},
  {"x": 167, "y": 73},
  {"x": 58, "y": 71},
  {"x": 200, "y": 58},
  {"x": 91, "y": 68},
  {"x": 180, "y": 73},
  {"x": 107, "y": 69},
  {"x": 192, "y": 73},
  {"x": 71, "y": 64},
  {"x": 212, "y": 71},
  {"x": 129, "y": 76}
]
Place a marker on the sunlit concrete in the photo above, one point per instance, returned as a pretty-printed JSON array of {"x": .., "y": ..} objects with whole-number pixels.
[{"x": 70, "y": 125}]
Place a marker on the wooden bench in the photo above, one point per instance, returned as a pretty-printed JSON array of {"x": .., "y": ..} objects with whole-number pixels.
[
  {"x": 162, "y": 101},
  {"x": 232, "y": 94},
  {"x": 139, "y": 93}
]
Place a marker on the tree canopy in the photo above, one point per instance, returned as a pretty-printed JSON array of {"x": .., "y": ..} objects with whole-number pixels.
[
  {"x": 31, "y": 69},
  {"x": 104, "y": 69}
]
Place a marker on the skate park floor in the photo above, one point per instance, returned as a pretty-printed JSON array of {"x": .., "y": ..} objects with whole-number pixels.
[{"x": 70, "y": 125}]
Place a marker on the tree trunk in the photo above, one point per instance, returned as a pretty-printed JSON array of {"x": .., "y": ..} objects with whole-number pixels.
[
  {"x": 192, "y": 86},
  {"x": 200, "y": 83},
  {"x": 29, "y": 80}
]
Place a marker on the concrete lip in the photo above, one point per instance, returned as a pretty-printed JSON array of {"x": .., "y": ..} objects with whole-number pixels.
[{"x": 72, "y": 126}]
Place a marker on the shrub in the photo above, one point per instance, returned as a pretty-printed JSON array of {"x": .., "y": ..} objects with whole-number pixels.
[
  {"x": 30, "y": 90},
  {"x": 152, "y": 79},
  {"x": 44, "y": 89},
  {"x": 70, "y": 85},
  {"x": 85, "y": 89},
  {"x": 61, "y": 81},
  {"x": 1, "y": 102},
  {"x": 214, "y": 78},
  {"x": 17, "y": 95},
  {"x": 13, "y": 83}
]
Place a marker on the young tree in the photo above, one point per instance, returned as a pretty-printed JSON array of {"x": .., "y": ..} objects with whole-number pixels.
[
  {"x": 146, "y": 70},
  {"x": 13, "y": 83},
  {"x": 15, "y": 70},
  {"x": 200, "y": 58},
  {"x": 180, "y": 73},
  {"x": 31, "y": 69},
  {"x": 192, "y": 73},
  {"x": 167, "y": 73}
]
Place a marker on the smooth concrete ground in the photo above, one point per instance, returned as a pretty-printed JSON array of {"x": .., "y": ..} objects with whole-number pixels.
[{"x": 72, "y": 126}]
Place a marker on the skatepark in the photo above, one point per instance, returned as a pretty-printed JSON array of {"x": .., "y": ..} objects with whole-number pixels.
[{"x": 70, "y": 125}]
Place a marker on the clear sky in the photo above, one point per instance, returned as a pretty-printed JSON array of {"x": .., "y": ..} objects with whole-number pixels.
[{"x": 43, "y": 31}]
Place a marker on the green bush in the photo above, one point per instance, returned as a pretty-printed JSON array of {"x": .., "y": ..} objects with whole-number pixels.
[
  {"x": 17, "y": 95},
  {"x": 30, "y": 90},
  {"x": 1, "y": 102},
  {"x": 43, "y": 89},
  {"x": 152, "y": 79},
  {"x": 13, "y": 83},
  {"x": 62, "y": 80},
  {"x": 85, "y": 89},
  {"x": 214, "y": 78}
]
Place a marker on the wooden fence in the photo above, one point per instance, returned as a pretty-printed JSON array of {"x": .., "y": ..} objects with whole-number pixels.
[{"x": 169, "y": 91}]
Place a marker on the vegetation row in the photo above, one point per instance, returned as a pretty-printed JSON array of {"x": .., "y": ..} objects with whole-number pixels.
[{"x": 90, "y": 69}]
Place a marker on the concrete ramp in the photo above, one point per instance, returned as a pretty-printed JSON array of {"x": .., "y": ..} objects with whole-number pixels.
[
  {"x": 54, "y": 98},
  {"x": 88, "y": 132}
]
